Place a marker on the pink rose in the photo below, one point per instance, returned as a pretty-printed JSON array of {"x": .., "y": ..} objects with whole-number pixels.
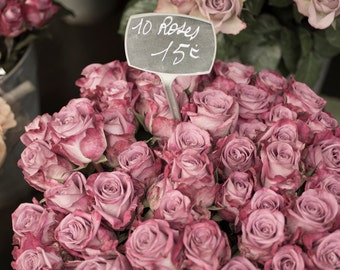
[
  {"x": 116, "y": 198},
  {"x": 325, "y": 252},
  {"x": 281, "y": 111},
  {"x": 187, "y": 135},
  {"x": 287, "y": 257},
  {"x": 38, "y": 129},
  {"x": 233, "y": 194},
  {"x": 35, "y": 220},
  {"x": 235, "y": 71},
  {"x": 205, "y": 246},
  {"x": 262, "y": 234},
  {"x": 157, "y": 191},
  {"x": 38, "y": 258},
  {"x": 251, "y": 128},
  {"x": 239, "y": 263},
  {"x": 321, "y": 121},
  {"x": 81, "y": 234},
  {"x": 236, "y": 153},
  {"x": 151, "y": 245},
  {"x": 175, "y": 6},
  {"x": 37, "y": 13},
  {"x": 280, "y": 169},
  {"x": 98, "y": 76},
  {"x": 313, "y": 212},
  {"x": 12, "y": 20},
  {"x": 266, "y": 198},
  {"x": 78, "y": 132},
  {"x": 271, "y": 81},
  {"x": 321, "y": 14},
  {"x": 140, "y": 162},
  {"x": 303, "y": 98},
  {"x": 41, "y": 167},
  {"x": 69, "y": 196},
  {"x": 215, "y": 112},
  {"x": 223, "y": 14}
]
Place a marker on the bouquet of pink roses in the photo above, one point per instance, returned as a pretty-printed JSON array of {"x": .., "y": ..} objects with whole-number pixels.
[{"x": 247, "y": 179}]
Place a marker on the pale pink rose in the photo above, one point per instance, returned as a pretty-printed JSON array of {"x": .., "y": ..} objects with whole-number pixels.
[
  {"x": 271, "y": 81},
  {"x": 157, "y": 191},
  {"x": 235, "y": 71},
  {"x": 205, "y": 246},
  {"x": 321, "y": 121},
  {"x": 266, "y": 198},
  {"x": 151, "y": 245},
  {"x": 236, "y": 153},
  {"x": 253, "y": 101},
  {"x": 239, "y": 263},
  {"x": 322, "y": 154},
  {"x": 38, "y": 258},
  {"x": 69, "y": 196},
  {"x": 233, "y": 194},
  {"x": 186, "y": 83},
  {"x": 223, "y": 14},
  {"x": 251, "y": 128},
  {"x": 187, "y": 135},
  {"x": 37, "y": 13},
  {"x": 81, "y": 234},
  {"x": 175, "y": 6},
  {"x": 287, "y": 257},
  {"x": 33, "y": 219},
  {"x": 38, "y": 129},
  {"x": 116, "y": 198},
  {"x": 140, "y": 162},
  {"x": 263, "y": 231},
  {"x": 280, "y": 165},
  {"x": 281, "y": 111},
  {"x": 216, "y": 112},
  {"x": 12, "y": 20},
  {"x": 41, "y": 167},
  {"x": 78, "y": 133},
  {"x": 325, "y": 252},
  {"x": 192, "y": 173},
  {"x": 98, "y": 76},
  {"x": 321, "y": 14},
  {"x": 175, "y": 208},
  {"x": 313, "y": 212},
  {"x": 303, "y": 98}
]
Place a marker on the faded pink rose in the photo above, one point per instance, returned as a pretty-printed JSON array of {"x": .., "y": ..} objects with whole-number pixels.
[
  {"x": 325, "y": 252},
  {"x": 271, "y": 81},
  {"x": 38, "y": 129},
  {"x": 251, "y": 128},
  {"x": 38, "y": 258},
  {"x": 266, "y": 198},
  {"x": 175, "y": 6},
  {"x": 280, "y": 165},
  {"x": 215, "y": 111},
  {"x": 281, "y": 111},
  {"x": 233, "y": 194},
  {"x": 303, "y": 98},
  {"x": 116, "y": 198},
  {"x": 77, "y": 132},
  {"x": 37, "y": 13},
  {"x": 41, "y": 167},
  {"x": 157, "y": 191},
  {"x": 223, "y": 14},
  {"x": 69, "y": 196},
  {"x": 151, "y": 245},
  {"x": 287, "y": 257},
  {"x": 82, "y": 234},
  {"x": 187, "y": 135},
  {"x": 205, "y": 246},
  {"x": 12, "y": 20},
  {"x": 313, "y": 212},
  {"x": 239, "y": 263},
  {"x": 235, "y": 71},
  {"x": 321, "y": 14},
  {"x": 263, "y": 231},
  {"x": 321, "y": 121},
  {"x": 140, "y": 162}
]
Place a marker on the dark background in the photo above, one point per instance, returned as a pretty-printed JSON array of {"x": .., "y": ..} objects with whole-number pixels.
[{"x": 60, "y": 62}]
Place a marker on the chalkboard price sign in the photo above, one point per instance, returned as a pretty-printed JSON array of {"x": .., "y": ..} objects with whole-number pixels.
[{"x": 168, "y": 43}]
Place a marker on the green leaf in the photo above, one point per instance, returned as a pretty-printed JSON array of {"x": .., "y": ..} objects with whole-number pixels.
[
  {"x": 308, "y": 70},
  {"x": 306, "y": 41},
  {"x": 266, "y": 24},
  {"x": 254, "y": 6},
  {"x": 135, "y": 7},
  {"x": 290, "y": 49},
  {"x": 322, "y": 47},
  {"x": 279, "y": 3},
  {"x": 333, "y": 33},
  {"x": 225, "y": 48},
  {"x": 261, "y": 56}
]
